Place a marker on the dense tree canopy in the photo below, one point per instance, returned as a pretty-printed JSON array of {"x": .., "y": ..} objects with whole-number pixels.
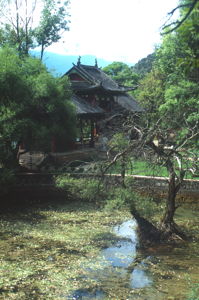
[
  {"x": 122, "y": 74},
  {"x": 185, "y": 7},
  {"x": 175, "y": 90},
  {"x": 35, "y": 106},
  {"x": 144, "y": 65},
  {"x": 167, "y": 133}
]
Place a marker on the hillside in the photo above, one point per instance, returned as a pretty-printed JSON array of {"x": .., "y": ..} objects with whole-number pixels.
[
  {"x": 144, "y": 65},
  {"x": 60, "y": 64}
]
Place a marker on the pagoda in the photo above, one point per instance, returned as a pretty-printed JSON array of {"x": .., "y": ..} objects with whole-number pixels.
[{"x": 97, "y": 97}]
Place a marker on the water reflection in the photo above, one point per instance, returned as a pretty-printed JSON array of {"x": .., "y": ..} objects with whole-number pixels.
[
  {"x": 139, "y": 279},
  {"x": 86, "y": 294},
  {"x": 123, "y": 253},
  {"x": 120, "y": 255},
  {"x": 115, "y": 265},
  {"x": 127, "y": 230}
]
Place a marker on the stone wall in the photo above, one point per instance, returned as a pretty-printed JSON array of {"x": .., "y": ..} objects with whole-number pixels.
[
  {"x": 188, "y": 184},
  {"x": 139, "y": 181}
]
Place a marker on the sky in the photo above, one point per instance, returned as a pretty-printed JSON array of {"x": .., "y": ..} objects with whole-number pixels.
[{"x": 115, "y": 30}]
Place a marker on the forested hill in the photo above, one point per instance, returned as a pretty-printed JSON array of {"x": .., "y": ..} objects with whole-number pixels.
[
  {"x": 144, "y": 65},
  {"x": 59, "y": 64}
]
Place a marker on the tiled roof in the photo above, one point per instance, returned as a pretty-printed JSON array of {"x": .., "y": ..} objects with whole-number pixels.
[
  {"x": 128, "y": 103},
  {"x": 83, "y": 107},
  {"x": 96, "y": 77}
]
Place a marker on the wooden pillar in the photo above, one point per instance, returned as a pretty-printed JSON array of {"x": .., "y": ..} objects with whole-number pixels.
[
  {"x": 53, "y": 145},
  {"x": 92, "y": 142},
  {"x": 81, "y": 132}
]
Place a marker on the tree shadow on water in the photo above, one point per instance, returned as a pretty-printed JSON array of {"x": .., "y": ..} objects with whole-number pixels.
[{"x": 87, "y": 294}]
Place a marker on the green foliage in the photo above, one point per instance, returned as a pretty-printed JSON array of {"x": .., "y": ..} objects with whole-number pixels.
[
  {"x": 122, "y": 74},
  {"x": 109, "y": 195},
  {"x": 148, "y": 207},
  {"x": 181, "y": 101},
  {"x": 168, "y": 57},
  {"x": 170, "y": 91},
  {"x": 7, "y": 179},
  {"x": 17, "y": 29},
  {"x": 119, "y": 141},
  {"x": 194, "y": 293},
  {"x": 35, "y": 106},
  {"x": 151, "y": 91},
  {"x": 52, "y": 22},
  {"x": 170, "y": 95},
  {"x": 86, "y": 189},
  {"x": 144, "y": 66},
  {"x": 16, "y": 25},
  {"x": 119, "y": 197},
  {"x": 82, "y": 188}
]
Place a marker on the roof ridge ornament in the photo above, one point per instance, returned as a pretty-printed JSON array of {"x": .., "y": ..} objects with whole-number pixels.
[
  {"x": 79, "y": 61},
  {"x": 96, "y": 64}
]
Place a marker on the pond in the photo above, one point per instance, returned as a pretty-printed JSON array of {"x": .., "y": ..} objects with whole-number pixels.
[
  {"x": 79, "y": 251},
  {"x": 164, "y": 272},
  {"x": 114, "y": 263}
]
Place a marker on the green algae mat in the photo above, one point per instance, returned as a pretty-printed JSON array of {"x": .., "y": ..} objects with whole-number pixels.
[{"x": 75, "y": 251}]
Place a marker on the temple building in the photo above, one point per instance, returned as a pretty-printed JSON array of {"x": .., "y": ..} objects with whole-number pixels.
[{"x": 97, "y": 97}]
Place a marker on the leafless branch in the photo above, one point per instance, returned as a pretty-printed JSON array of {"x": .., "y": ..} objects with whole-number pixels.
[
  {"x": 177, "y": 24},
  {"x": 115, "y": 159},
  {"x": 188, "y": 137}
]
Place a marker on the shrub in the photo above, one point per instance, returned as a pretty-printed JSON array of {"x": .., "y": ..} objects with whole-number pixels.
[
  {"x": 7, "y": 179},
  {"x": 119, "y": 197},
  {"x": 194, "y": 293},
  {"x": 109, "y": 195},
  {"x": 82, "y": 188}
]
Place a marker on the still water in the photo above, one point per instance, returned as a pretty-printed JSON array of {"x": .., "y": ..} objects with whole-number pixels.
[
  {"x": 115, "y": 265},
  {"x": 161, "y": 273}
]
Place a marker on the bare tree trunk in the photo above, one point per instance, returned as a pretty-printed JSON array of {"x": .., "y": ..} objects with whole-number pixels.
[
  {"x": 147, "y": 232},
  {"x": 42, "y": 51},
  {"x": 168, "y": 225},
  {"x": 123, "y": 171},
  {"x": 26, "y": 30},
  {"x": 17, "y": 26},
  {"x": 170, "y": 202}
]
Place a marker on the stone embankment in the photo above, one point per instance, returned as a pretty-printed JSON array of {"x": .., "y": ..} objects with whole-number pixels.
[
  {"x": 155, "y": 185},
  {"x": 138, "y": 180},
  {"x": 158, "y": 186},
  {"x": 188, "y": 184},
  {"x": 146, "y": 184}
]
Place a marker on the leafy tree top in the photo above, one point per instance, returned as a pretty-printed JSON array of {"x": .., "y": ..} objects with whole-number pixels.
[
  {"x": 35, "y": 106},
  {"x": 121, "y": 73},
  {"x": 19, "y": 29}
]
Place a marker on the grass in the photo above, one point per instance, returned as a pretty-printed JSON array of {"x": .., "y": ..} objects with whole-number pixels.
[
  {"x": 141, "y": 167},
  {"x": 144, "y": 168}
]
